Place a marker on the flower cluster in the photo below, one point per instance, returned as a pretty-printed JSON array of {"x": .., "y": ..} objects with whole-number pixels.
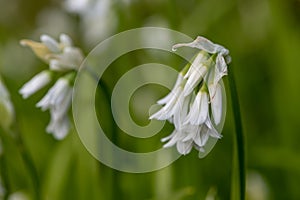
[
  {"x": 195, "y": 104},
  {"x": 64, "y": 60}
]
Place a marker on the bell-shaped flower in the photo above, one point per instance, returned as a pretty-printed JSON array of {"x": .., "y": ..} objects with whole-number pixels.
[
  {"x": 199, "y": 109},
  {"x": 196, "y": 99},
  {"x": 64, "y": 60},
  {"x": 58, "y": 101},
  {"x": 36, "y": 83}
]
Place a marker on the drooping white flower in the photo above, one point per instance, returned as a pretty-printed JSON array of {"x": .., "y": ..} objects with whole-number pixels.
[
  {"x": 58, "y": 101},
  {"x": 63, "y": 59},
  {"x": 199, "y": 109},
  {"x": 196, "y": 98},
  {"x": 59, "y": 127},
  {"x": 36, "y": 83}
]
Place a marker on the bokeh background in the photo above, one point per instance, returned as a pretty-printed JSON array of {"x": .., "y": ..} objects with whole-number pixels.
[{"x": 264, "y": 40}]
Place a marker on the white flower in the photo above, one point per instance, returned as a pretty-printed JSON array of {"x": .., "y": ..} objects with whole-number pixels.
[
  {"x": 50, "y": 43},
  {"x": 196, "y": 98},
  {"x": 216, "y": 102},
  {"x": 170, "y": 107},
  {"x": 19, "y": 195},
  {"x": 196, "y": 73},
  {"x": 58, "y": 101},
  {"x": 36, "y": 83},
  {"x": 71, "y": 58},
  {"x": 58, "y": 97},
  {"x": 61, "y": 56},
  {"x": 59, "y": 127},
  {"x": 199, "y": 109},
  {"x": 169, "y": 96}
]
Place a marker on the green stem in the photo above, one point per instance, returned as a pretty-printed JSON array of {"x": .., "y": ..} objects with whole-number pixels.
[
  {"x": 102, "y": 87},
  {"x": 29, "y": 164},
  {"x": 239, "y": 136},
  {"x": 116, "y": 189}
]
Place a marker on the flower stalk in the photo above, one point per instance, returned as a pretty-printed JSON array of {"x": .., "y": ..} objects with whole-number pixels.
[{"x": 239, "y": 150}]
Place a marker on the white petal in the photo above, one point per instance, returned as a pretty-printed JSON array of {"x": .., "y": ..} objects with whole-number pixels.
[
  {"x": 44, "y": 103},
  {"x": 220, "y": 69},
  {"x": 200, "y": 58},
  {"x": 169, "y": 96},
  {"x": 203, "y": 108},
  {"x": 216, "y": 104},
  {"x": 55, "y": 65},
  {"x": 212, "y": 130},
  {"x": 168, "y": 137},
  {"x": 180, "y": 111},
  {"x": 173, "y": 140},
  {"x": 65, "y": 40},
  {"x": 194, "y": 111},
  {"x": 199, "y": 110},
  {"x": 35, "y": 84},
  {"x": 203, "y": 44},
  {"x": 168, "y": 110},
  {"x": 62, "y": 108},
  {"x": 184, "y": 147},
  {"x": 55, "y": 95},
  {"x": 201, "y": 136},
  {"x": 50, "y": 43},
  {"x": 194, "y": 79},
  {"x": 59, "y": 128},
  {"x": 71, "y": 58}
]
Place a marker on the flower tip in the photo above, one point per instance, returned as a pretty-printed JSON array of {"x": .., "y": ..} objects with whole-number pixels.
[
  {"x": 24, "y": 42},
  {"x": 23, "y": 94},
  {"x": 45, "y": 37},
  {"x": 228, "y": 59},
  {"x": 65, "y": 39}
]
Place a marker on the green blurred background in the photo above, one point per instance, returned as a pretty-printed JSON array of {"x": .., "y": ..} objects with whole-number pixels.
[{"x": 263, "y": 37}]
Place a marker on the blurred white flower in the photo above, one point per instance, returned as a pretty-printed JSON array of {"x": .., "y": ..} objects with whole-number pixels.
[
  {"x": 211, "y": 194},
  {"x": 58, "y": 101},
  {"x": 18, "y": 196},
  {"x": 97, "y": 18},
  {"x": 64, "y": 59},
  {"x": 76, "y": 6},
  {"x": 7, "y": 113},
  {"x": 61, "y": 56},
  {"x": 195, "y": 104},
  {"x": 36, "y": 83},
  {"x": 257, "y": 188}
]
